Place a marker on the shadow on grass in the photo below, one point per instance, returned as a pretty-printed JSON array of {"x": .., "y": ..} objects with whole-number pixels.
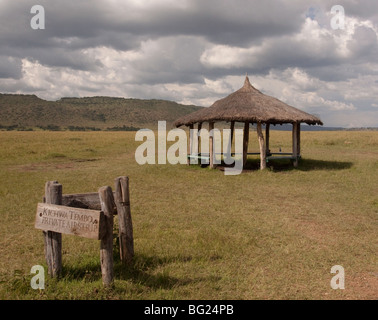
[
  {"x": 140, "y": 271},
  {"x": 309, "y": 165},
  {"x": 304, "y": 165}
]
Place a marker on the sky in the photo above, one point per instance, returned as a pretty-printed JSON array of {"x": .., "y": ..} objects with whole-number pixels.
[{"x": 197, "y": 51}]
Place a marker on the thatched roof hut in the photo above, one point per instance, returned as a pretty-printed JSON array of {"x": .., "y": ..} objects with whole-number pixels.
[{"x": 249, "y": 105}]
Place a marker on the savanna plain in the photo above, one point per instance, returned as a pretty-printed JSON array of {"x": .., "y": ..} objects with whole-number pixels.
[{"x": 199, "y": 234}]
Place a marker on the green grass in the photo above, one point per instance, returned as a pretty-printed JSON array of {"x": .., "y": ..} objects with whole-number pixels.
[{"x": 199, "y": 234}]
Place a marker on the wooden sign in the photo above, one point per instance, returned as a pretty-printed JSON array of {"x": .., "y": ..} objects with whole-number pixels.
[{"x": 68, "y": 220}]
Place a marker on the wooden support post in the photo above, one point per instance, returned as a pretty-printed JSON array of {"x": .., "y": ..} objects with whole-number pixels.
[
  {"x": 245, "y": 142},
  {"x": 267, "y": 136},
  {"x": 232, "y": 133},
  {"x": 53, "y": 240},
  {"x": 295, "y": 143},
  {"x": 211, "y": 146},
  {"x": 299, "y": 139},
  {"x": 199, "y": 137},
  {"x": 122, "y": 200},
  {"x": 190, "y": 144},
  {"x": 106, "y": 246},
  {"x": 262, "y": 147},
  {"x": 232, "y": 128}
]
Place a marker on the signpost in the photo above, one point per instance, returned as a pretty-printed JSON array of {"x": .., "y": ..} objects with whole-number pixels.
[{"x": 88, "y": 215}]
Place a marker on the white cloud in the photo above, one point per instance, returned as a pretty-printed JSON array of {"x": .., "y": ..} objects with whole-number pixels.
[
  {"x": 314, "y": 44},
  {"x": 224, "y": 56},
  {"x": 218, "y": 86},
  {"x": 295, "y": 87},
  {"x": 196, "y": 52}
]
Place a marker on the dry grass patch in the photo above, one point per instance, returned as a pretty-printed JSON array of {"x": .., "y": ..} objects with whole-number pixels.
[{"x": 198, "y": 233}]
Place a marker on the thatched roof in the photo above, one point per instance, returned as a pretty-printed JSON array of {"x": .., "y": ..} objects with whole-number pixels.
[{"x": 249, "y": 104}]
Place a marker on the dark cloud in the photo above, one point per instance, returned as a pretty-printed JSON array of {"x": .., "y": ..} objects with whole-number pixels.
[
  {"x": 75, "y": 25},
  {"x": 234, "y": 22},
  {"x": 364, "y": 9},
  {"x": 137, "y": 48},
  {"x": 364, "y": 44},
  {"x": 122, "y": 25},
  {"x": 10, "y": 67},
  {"x": 60, "y": 57}
]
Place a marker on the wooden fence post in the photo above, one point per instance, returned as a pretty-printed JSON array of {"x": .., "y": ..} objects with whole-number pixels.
[
  {"x": 53, "y": 240},
  {"x": 106, "y": 246},
  {"x": 126, "y": 238}
]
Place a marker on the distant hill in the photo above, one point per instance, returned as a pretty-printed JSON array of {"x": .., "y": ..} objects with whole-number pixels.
[
  {"x": 20, "y": 111},
  {"x": 29, "y": 112}
]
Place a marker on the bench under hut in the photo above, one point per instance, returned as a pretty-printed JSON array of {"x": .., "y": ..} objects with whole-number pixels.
[{"x": 250, "y": 106}]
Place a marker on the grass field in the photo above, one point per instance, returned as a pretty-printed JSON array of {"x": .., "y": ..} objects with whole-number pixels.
[{"x": 199, "y": 234}]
